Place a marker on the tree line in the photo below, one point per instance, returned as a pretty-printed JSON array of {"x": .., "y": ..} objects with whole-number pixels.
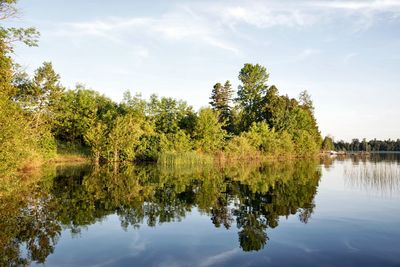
[
  {"x": 368, "y": 146},
  {"x": 38, "y": 115}
]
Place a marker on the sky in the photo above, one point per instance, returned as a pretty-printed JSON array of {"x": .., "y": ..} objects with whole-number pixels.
[{"x": 346, "y": 54}]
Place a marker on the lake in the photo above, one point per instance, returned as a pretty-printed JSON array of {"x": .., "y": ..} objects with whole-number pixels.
[{"x": 331, "y": 212}]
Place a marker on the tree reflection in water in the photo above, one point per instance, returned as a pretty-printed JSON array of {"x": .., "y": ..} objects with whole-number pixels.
[{"x": 253, "y": 196}]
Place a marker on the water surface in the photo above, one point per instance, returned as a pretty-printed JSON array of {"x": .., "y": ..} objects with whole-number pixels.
[{"x": 336, "y": 212}]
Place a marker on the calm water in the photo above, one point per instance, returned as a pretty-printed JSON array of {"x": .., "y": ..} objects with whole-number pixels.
[{"x": 343, "y": 212}]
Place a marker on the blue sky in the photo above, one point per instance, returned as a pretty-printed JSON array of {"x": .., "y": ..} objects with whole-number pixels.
[{"x": 345, "y": 53}]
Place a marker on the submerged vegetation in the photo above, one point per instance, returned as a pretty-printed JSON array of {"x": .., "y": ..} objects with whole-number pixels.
[{"x": 40, "y": 118}]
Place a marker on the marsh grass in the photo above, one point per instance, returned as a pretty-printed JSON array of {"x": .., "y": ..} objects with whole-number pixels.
[
  {"x": 381, "y": 177},
  {"x": 185, "y": 158}
]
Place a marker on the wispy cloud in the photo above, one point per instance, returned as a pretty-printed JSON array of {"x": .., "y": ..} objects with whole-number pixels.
[
  {"x": 392, "y": 6},
  {"x": 305, "y": 54},
  {"x": 219, "y": 258},
  {"x": 223, "y": 25},
  {"x": 349, "y": 57},
  {"x": 181, "y": 24},
  {"x": 263, "y": 15}
]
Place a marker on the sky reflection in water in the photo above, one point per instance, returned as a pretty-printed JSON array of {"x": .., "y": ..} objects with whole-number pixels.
[{"x": 340, "y": 212}]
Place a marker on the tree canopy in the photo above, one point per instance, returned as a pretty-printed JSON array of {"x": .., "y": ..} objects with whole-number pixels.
[{"x": 40, "y": 116}]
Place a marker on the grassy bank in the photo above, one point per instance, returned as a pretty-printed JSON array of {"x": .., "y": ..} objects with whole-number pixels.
[{"x": 71, "y": 152}]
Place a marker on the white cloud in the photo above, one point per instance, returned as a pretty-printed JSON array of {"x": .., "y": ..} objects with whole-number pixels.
[
  {"x": 216, "y": 25},
  {"x": 179, "y": 25},
  {"x": 262, "y": 15},
  {"x": 392, "y": 6},
  {"x": 305, "y": 54},
  {"x": 219, "y": 258},
  {"x": 348, "y": 57},
  {"x": 266, "y": 14}
]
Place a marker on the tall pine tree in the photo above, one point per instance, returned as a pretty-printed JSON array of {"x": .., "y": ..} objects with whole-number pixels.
[{"x": 221, "y": 98}]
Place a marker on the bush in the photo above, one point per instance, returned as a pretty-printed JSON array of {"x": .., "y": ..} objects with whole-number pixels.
[
  {"x": 175, "y": 142},
  {"x": 241, "y": 147},
  {"x": 148, "y": 148},
  {"x": 305, "y": 144}
]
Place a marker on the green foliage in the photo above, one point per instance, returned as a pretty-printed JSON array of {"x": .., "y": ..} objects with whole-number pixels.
[
  {"x": 46, "y": 143},
  {"x": 305, "y": 101},
  {"x": 72, "y": 149},
  {"x": 178, "y": 142},
  {"x": 371, "y": 145},
  {"x": 95, "y": 137},
  {"x": 261, "y": 141},
  {"x": 241, "y": 147},
  {"x": 190, "y": 158},
  {"x": 286, "y": 144},
  {"x": 12, "y": 140},
  {"x": 6, "y": 73},
  {"x": 264, "y": 139},
  {"x": 125, "y": 136},
  {"x": 37, "y": 111},
  {"x": 133, "y": 104},
  {"x": 208, "y": 132},
  {"x": 168, "y": 114},
  {"x": 278, "y": 110},
  {"x": 162, "y": 128},
  {"x": 28, "y": 36},
  {"x": 221, "y": 97},
  {"x": 41, "y": 95},
  {"x": 305, "y": 144},
  {"x": 148, "y": 148},
  {"x": 78, "y": 110},
  {"x": 252, "y": 92},
  {"x": 327, "y": 144},
  {"x": 19, "y": 141}
]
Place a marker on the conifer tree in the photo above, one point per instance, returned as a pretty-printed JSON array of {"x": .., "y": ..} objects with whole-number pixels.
[{"x": 221, "y": 98}]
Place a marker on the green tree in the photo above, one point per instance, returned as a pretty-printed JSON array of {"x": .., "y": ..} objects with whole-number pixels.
[
  {"x": 18, "y": 141},
  {"x": 208, "y": 132},
  {"x": 28, "y": 36},
  {"x": 327, "y": 143},
  {"x": 178, "y": 142},
  {"x": 6, "y": 74},
  {"x": 78, "y": 111},
  {"x": 264, "y": 139},
  {"x": 277, "y": 109},
  {"x": 15, "y": 136},
  {"x": 168, "y": 114},
  {"x": 124, "y": 137},
  {"x": 41, "y": 95},
  {"x": 305, "y": 101},
  {"x": 242, "y": 147},
  {"x": 95, "y": 137},
  {"x": 8, "y": 36},
  {"x": 305, "y": 144},
  {"x": 251, "y": 92},
  {"x": 221, "y": 97},
  {"x": 133, "y": 104},
  {"x": 148, "y": 148}
]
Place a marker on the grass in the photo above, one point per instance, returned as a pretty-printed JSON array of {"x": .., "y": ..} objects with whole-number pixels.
[
  {"x": 71, "y": 152},
  {"x": 184, "y": 158}
]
